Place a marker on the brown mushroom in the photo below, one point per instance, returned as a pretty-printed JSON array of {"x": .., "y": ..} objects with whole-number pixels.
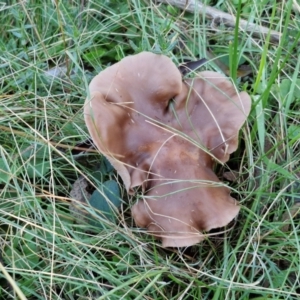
[{"x": 164, "y": 135}]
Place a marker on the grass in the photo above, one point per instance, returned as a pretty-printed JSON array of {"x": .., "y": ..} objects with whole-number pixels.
[{"x": 45, "y": 253}]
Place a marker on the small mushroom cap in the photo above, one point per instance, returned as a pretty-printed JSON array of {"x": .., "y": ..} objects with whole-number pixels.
[
  {"x": 216, "y": 112},
  {"x": 185, "y": 199},
  {"x": 164, "y": 135}
]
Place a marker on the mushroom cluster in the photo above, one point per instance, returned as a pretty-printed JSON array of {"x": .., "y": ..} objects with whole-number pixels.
[{"x": 164, "y": 134}]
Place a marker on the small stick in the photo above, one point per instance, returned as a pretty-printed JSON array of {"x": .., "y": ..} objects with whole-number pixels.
[{"x": 219, "y": 16}]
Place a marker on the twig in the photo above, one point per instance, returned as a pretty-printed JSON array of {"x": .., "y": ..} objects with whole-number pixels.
[{"x": 227, "y": 19}]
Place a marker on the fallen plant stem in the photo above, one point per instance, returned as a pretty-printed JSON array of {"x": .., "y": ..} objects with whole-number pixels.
[{"x": 221, "y": 17}]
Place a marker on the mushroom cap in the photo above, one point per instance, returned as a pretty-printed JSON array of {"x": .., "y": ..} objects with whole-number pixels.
[
  {"x": 164, "y": 135},
  {"x": 184, "y": 197},
  {"x": 121, "y": 98}
]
